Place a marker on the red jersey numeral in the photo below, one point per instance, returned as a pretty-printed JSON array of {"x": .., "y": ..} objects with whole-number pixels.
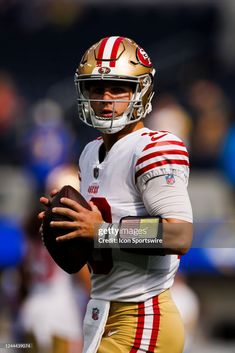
[
  {"x": 104, "y": 208},
  {"x": 102, "y": 262}
]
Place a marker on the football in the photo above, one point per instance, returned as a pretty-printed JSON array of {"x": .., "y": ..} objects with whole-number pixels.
[{"x": 71, "y": 255}]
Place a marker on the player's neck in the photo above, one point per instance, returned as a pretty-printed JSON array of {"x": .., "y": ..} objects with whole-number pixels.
[{"x": 111, "y": 139}]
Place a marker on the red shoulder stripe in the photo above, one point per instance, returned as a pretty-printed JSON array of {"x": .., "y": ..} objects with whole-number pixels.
[
  {"x": 161, "y": 153},
  {"x": 163, "y": 143},
  {"x": 160, "y": 163}
]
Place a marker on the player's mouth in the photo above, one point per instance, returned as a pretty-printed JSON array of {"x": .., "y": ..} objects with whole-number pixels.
[{"x": 107, "y": 113}]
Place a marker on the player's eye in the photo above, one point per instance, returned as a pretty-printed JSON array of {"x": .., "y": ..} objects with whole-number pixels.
[
  {"x": 118, "y": 90},
  {"x": 97, "y": 90}
]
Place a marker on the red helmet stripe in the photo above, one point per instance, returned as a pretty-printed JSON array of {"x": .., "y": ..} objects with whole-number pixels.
[
  {"x": 101, "y": 51},
  {"x": 108, "y": 50},
  {"x": 115, "y": 50}
]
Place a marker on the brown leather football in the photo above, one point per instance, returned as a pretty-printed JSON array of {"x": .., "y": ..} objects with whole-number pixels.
[{"x": 71, "y": 255}]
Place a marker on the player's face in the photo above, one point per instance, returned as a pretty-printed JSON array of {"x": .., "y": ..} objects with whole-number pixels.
[{"x": 106, "y": 92}]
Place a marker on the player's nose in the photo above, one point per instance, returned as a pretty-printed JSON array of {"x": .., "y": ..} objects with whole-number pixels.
[{"x": 107, "y": 97}]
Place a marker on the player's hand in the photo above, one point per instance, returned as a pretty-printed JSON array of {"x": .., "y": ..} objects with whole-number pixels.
[
  {"x": 46, "y": 202},
  {"x": 84, "y": 223}
]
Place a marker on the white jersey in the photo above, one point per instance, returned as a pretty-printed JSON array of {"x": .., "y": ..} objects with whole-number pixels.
[{"x": 116, "y": 187}]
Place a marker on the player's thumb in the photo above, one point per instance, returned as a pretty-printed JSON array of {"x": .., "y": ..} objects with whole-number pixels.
[{"x": 94, "y": 207}]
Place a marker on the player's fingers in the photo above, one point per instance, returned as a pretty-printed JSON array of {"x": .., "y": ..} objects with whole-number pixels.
[
  {"x": 54, "y": 192},
  {"x": 41, "y": 215},
  {"x": 45, "y": 201},
  {"x": 93, "y": 207},
  {"x": 68, "y": 236},
  {"x": 72, "y": 204},
  {"x": 64, "y": 224},
  {"x": 66, "y": 212}
]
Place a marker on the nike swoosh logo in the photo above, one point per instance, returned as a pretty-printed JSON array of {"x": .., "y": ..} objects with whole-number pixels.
[{"x": 110, "y": 333}]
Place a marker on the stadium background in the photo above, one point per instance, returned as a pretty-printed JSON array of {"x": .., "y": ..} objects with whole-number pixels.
[{"x": 191, "y": 44}]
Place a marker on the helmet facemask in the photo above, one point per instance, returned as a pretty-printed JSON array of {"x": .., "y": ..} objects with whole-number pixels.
[{"x": 133, "y": 113}]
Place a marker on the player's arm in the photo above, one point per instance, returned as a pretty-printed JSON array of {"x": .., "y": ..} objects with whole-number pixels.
[
  {"x": 169, "y": 220},
  {"x": 161, "y": 177},
  {"x": 171, "y": 202},
  {"x": 161, "y": 174},
  {"x": 172, "y": 236}
]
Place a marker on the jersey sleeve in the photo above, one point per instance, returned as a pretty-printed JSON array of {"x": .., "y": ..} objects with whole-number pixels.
[
  {"x": 168, "y": 200},
  {"x": 162, "y": 154}
]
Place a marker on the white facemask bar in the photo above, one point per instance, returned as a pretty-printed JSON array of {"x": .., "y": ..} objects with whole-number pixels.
[{"x": 101, "y": 123}]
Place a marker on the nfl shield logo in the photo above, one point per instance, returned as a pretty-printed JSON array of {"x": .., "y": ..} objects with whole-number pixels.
[
  {"x": 170, "y": 179},
  {"x": 96, "y": 172},
  {"x": 95, "y": 314}
]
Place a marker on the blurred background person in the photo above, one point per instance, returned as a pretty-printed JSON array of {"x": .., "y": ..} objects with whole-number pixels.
[
  {"x": 189, "y": 307},
  {"x": 170, "y": 115},
  {"x": 53, "y": 302},
  {"x": 12, "y": 114},
  {"x": 47, "y": 141},
  {"x": 211, "y": 111}
]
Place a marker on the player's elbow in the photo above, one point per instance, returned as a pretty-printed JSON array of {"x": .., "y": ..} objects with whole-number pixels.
[
  {"x": 177, "y": 249},
  {"x": 185, "y": 239},
  {"x": 182, "y": 251},
  {"x": 178, "y": 237},
  {"x": 181, "y": 248}
]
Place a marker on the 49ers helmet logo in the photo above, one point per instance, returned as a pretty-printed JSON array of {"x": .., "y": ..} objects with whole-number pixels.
[
  {"x": 143, "y": 57},
  {"x": 104, "y": 70}
]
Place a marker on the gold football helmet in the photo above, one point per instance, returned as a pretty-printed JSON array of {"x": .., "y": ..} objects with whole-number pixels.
[{"x": 116, "y": 59}]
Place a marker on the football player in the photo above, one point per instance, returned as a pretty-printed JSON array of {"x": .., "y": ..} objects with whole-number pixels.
[{"x": 134, "y": 178}]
